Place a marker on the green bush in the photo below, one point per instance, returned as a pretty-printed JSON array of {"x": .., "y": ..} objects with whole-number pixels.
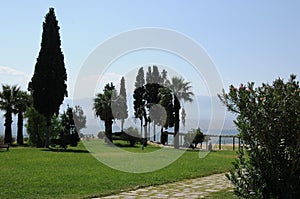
[
  {"x": 268, "y": 118},
  {"x": 132, "y": 135},
  {"x": 101, "y": 135},
  {"x": 193, "y": 138}
]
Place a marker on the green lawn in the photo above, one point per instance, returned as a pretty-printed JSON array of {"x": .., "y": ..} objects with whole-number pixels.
[
  {"x": 226, "y": 193},
  {"x": 27, "y": 172}
]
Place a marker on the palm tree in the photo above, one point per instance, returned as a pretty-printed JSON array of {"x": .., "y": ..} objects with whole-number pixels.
[
  {"x": 23, "y": 101},
  {"x": 103, "y": 110},
  {"x": 8, "y": 98},
  {"x": 181, "y": 93}
]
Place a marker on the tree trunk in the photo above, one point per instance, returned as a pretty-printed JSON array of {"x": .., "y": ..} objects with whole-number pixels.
[
  {"x": 141, "y": 127},
  {"x": 47, "y": 136},
  {"x": 177, "y": 120},
  {"x": 108, "y": 130},
  {"x": 149, "y": 130},
  {"x": 122, "y": 125},
  {"x": 20, "y": 129},
  {"x": 7, "y": 124},
  {"x": 163, "y": 136},
  {"x": 154, "y": 136},
  {"x": 145, "y": 133}
]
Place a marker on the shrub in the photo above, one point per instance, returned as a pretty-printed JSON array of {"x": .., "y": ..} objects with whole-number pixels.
[
  {"x": 193, "y": 138},
  {"x": 1, "y": 139},
  {"x": 101, "y": 135},
  {"x": 268, "y": 118},
  {"x": 132, "y": 135}
]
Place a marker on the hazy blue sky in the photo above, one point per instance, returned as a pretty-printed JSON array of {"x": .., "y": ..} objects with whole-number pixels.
[{"x": 247, "y": 40}]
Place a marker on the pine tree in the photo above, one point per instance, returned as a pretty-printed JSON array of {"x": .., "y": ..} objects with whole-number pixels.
[{"x": 48, "y": 84}]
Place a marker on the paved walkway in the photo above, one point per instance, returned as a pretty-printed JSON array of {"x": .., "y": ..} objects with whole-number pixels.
[{"x": 193, "y": 188}]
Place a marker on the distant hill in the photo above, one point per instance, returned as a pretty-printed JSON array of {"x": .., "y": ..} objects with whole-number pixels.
[{"x": 198, "y": 115}]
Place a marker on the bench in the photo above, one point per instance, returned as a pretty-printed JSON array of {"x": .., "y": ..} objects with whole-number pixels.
[{"x": 4, "y": 146}]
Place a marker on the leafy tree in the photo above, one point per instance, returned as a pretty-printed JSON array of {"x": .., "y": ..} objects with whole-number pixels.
[
  {"x": 268, "y": 121},
  {"x": 139, "y": 101},
  {"x": 68, "y": 135},
  {"x": 24, "y": 100},
  {"x": 154, "y": 82},
  {"x": 36, "y": 126},
  {"x": 79, "y": 118},
  {"x": 132, "y": 135},
  {"x": 121, "y": 104},
  {"x": 8, "y": 98},
  {"x": 48, "y": 84},
  {"x": 181, "y": 92},
  {"x": 103, "y": 108},
  {"x": 167, "y": 114},
  {"x": 193, "y": 138}
]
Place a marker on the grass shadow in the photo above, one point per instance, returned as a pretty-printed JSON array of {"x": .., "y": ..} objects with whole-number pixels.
[
  {"x": 123, "y": 145},
  {"x": 66, "y": 151}
]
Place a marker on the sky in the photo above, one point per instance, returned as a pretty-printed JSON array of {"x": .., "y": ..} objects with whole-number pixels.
[{"x": 245, "y": 40}]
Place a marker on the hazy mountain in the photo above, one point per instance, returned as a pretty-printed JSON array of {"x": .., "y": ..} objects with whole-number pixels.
[{"x": 198, "y": 115}]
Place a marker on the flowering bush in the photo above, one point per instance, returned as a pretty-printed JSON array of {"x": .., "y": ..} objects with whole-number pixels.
[{"x": 268, "y": 118}]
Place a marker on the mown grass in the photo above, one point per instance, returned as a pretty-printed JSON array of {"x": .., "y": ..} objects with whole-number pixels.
[
  {"x": 27, "y": 172},
  {"x": 226, "y": 193}
]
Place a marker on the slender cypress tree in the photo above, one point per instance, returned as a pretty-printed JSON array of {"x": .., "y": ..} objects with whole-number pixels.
[
  {"x": 123, "y": 110},
  {"x": 139, "y": 102},
  {"x": 48, "y": 84}
]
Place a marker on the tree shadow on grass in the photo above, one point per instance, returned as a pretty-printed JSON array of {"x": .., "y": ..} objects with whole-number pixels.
[
  {"x": 66, "y": 151},
  {"x": 123, "y": 145}
]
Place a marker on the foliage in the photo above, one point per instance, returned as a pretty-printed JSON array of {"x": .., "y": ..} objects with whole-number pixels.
[
  {"x": 79, "y": 118},
  {"x": 72, "y": 171},
  {"x": 139, "y": 101},
  {"x": 120, "y": 104},
  {"x": 193, "y": 138},
  {"x": 103, "y": 108},
  {"x": 167, "y": 114},
  {"x": 68, "y": 134},
  {"x": 48, "y": 84},
  {"x": 8, "y": 100},
  {"x": 36, "y": 127},
  {"x": 132, "y": 135},
  {"x": 101, "y": 135},
  {"x": 269, "y": 123}
]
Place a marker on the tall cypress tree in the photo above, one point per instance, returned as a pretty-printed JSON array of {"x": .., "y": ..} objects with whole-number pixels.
[
  {"x": 139, "y": 101},
  {"x": 123, "y": 97},
  {"x": 48, "y": 84}
]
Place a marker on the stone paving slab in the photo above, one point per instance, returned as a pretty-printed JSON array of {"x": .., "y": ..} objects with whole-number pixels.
[{"x": 193, "y": 188}]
